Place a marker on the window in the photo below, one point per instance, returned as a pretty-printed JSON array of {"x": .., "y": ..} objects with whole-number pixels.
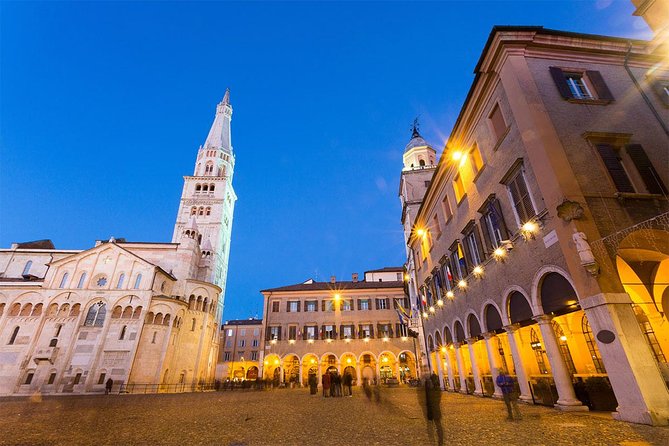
[
  {"x": 363, "y": 304},
  {"x": 226, "y": 356},
  {"x": 77, "y": 378},
  {"x": 138, "y": 281},
  {"x": 621, "y": 165},
  {"x": 329, "y": 332},
  {"x": 311, "y": 332},
  {"x": 382, "y": 304},
  {"x": 446, "y": 207},
  {"x": 292, "y": 332},
  {"x": 473, "y": 246},
  {"x": 574, "y": 84},
  {"x": 242, "y": 343},
  {"x": 26, "y": 268},
  {"x": 228, "y": 343},
  {"x": 385, "y": 331},
  {"x": 192, "y": 327},
  {"x": 592, "y": 345},
  {"x": 613, "y": 163},
  {"x": 347, "y": 332},
  {"x": 123, "y": 330},
  {"x": 366, "y": 331},
  {"x": 121, "y": 279},
  {"x": 207, "y": 211},
  {"x": 458, "y": 260},
  {"x": 82, "y": 279},
  {"x": 520, "y": 197},
  {"x": 12, "y": 338},
  {"x": 153, "y": 338},
  {"x": 193, "y": 210},
  {"x": 275, "y": 333},
  {"x": 347, "y": 305},
  {"x": 29, "y": 377},
  {"x": 492, "y": 223},
  {"x": 240, "y": 355},
  {"x": 436, "y": 226},
  {"x": 401, "y": 302},
  {"x": 242, "y": 332},
  {"x": 458, "y": 188},
  {"x": 52, "y": 378},
  {"x": 229, "y": 332},
  {"x": 402, "y": 331},
  {"x": 327, "y": 305},
  {"x": 311, "y": 306},
  {"x": 256, "y": 332},
  {"x": 96, "y": 315},
  {"x": 254, "y": 356},
  {"x": 63, "y": 281},
  {"x": 254, "y": 343},
  {"x": 101, "y": 379},
  {"x": 293, "y": 306},
  {"x": 477, "y": 160},
  {"x": 649, "y": 334},
  {"x": 497, "y": 123},
  {"x": 275, "y": 306},
  {"x": 661, "y": 88},
  {"x": 59, "y": 327}
]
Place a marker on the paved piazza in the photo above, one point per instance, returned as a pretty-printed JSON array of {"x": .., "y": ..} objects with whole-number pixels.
[{"x": 293, "y": 417}]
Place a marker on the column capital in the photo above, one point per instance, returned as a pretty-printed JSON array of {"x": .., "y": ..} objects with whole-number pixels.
[
  {"x": 457, "y": 345},
  {"x": 472, "y": 341},
  {"x": 511, "y": 328},
  {"x": 543, "y": 319},
  {"x": 488, "y": 335}
]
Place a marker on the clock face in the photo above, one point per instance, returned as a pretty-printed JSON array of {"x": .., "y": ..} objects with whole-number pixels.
[{"x": 102, "y": 281}]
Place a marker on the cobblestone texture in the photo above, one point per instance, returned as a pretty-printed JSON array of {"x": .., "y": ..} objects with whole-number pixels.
[{"x": 293, "y": 417}]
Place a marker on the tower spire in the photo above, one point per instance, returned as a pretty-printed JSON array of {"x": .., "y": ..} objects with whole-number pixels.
[{"x": 219, "y": 134}]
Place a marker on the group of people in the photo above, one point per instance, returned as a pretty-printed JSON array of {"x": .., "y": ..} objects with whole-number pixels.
[{"x": 334, "y": 385}]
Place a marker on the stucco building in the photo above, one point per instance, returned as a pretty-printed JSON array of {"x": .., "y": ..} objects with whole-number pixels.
[
  {"x": 240, "y": 350},
  {"x": 540, "y": 243},
  {"x": 145, "y": 315},
  {"x": 348, "y": 326}
]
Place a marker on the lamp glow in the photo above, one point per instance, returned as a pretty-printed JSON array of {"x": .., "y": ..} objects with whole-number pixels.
[
  {"x": 348, "y": 360},
  {"x": 425, "y": 314},
  {"x": 499, "y": 253},
  {"x": 456, "y": 155},
  {"x": 432, "y": 310},
  {"x": 478, "y": 271},
  {"x": 450, "y": 295},
  {"x": 529, "y": 229},
  {"x": 440, "y": 302},
  {"x": 563, "y": 338},
  {"x": 462, "y": 284}
]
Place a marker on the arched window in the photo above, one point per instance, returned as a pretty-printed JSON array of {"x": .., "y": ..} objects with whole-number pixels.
[
  {"x": 201, "y": 211},
  {"x": 121, "y": 279},
  {"x": 211, "y": 187},
  {"x": 205, "y": 188},
  {"x": 127, "y": 312},
  {"x": 53, "y": 342},
  {"x": 63, "y": 281},
  {"x": 192, "y": 328},
  {"x": 138, "y": 281},
  {"x": 207, "y": 211},
  {"x": 37, "y": 310},
  {"x": 82, "y": 279},
  {"x": 538, "y": 351},
  {"x": 26, "y": 310},
  {"x": 421, "y": 162},
  {"x": 137, "y": 312},
  {"x": 59, "y": 327},
  {"x": 649, "y": 334},
  {"x": 564, "y": 347},
  {"x": 153, "y": 339},
  {"x": 122, "y": 336},
  {"x": 198, "y": 188},
  {"x": 26, "y": 269},
  {"x": 15, "y": 310},
  {"x": 75, "y": 310},
  {"x": 15, "y": 334},
  {"x": 96, "y": 315},
  {"x": 209, "y": 168},
  {"x": 193, "y": 210},
  {"x": 592, "y": 346}
]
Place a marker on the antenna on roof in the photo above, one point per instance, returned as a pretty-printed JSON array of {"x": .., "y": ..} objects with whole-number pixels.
[{"x": 414, "y": 128}]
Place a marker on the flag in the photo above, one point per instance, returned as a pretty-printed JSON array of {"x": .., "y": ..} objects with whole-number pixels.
[
  {"x": 400, "y": 315},
  {"x": 461, "y": 259},
  {"x": 448, "y": 273}
]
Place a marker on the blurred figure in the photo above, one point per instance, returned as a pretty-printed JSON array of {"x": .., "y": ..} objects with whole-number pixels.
[
  {"x": 348, "y": 382},
  {"x": 376, "y": 390},
  {"x": 508, "y": 387},
  {"x": 108, "y": 386},
  {"x": 313, "y": 384},
  {"x": 429, "y": 398},
  {"x": 337, "y": 384},
  {"x": 366, "y": 388},
  {"x": 326, "y": 384}
]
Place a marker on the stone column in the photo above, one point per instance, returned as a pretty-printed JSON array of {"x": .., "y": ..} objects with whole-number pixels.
[
  {"x": 630, "y": 365},
  {"x": 300, "y": 379},
  {"x": 566, "y": 396},
  {"x": 519, "y": 364},
  {"x": 281, "y": 374},
  {"x": 476, "y": 373},
  {"x": 449, "y": 366},
  {"x": 493, "y": 360},
  {"x": 461, "y": 368},
  {"x": 358, "y": 373},
  {"x": 440, "y": 372}
]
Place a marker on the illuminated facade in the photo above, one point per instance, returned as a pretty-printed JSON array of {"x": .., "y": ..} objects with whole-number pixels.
[
  {"x": 143, "y": 314},
  {"x": 540, "y": 245},
  {"x": 240, "y": 350},
  {"x": 347, "y": 326}
]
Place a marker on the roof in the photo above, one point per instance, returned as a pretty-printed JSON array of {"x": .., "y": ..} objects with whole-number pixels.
[
  {"x": 36, "y": 244},
  {"x": 338, "y": 286},
  {"x": 416, "y": 141},
  {"x": 387, "y": 269},
  {"x": 249, "y": 321}
]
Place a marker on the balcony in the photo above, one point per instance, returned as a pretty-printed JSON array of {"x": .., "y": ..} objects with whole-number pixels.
[{"x": 46, "y": 354}]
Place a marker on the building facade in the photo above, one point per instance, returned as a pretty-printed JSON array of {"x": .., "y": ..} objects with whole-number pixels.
[
  {"x": 240, "y": 350},
  {"x": 348, "y": 326},
  {"x": 540, "y": 244},
  {"x": 145, "y": 315}
]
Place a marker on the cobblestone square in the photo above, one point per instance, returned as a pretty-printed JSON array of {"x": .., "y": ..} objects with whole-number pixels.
[{"x": 293, "y": 417}]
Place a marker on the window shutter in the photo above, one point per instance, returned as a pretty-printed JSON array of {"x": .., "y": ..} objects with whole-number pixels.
[
  {"x": 390, "y": 330},
  {"x": 322, "y": 305},
  {"x": 298, "y": 306},
  {"x": 395, "y": 304},
  {"x": 305, "y": 335},
  {"x": 648, "y": 173},
  {"x": 352, "y": 331},
  {"x": 280, "y": 333},
  {"x": 267, "y": 333},
  {"x": 316, "y": 305},
  {"x": 398, "y": 329},
  {"x": 560, "y": 82},
  {"x": 598, "y": 83},
  {"x": 376, "y": 302},
  {"x": 360, "y": 332},
  {"x": 288, "y": 307},
  {"x": 499, "y": 218},
  {"x": 486, "y": 234},
  {"x": 615, "y": 168},
  {"x": 341, "y": 331},
  {"x": 468, "y": 257},
  {"x": 334, "y": 332},
  {"x": 316, "y": 333},
  {"x": 482, "y": 251},
  {"x": 371, "y": 331}
]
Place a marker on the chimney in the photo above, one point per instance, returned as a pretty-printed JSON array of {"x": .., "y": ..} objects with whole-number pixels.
[
  {"x": 333, "y": 279},
  {"x": 354, "y": 277}
]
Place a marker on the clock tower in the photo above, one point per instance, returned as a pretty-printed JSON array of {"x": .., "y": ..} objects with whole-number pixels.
[{"x": 208, "y": 200}]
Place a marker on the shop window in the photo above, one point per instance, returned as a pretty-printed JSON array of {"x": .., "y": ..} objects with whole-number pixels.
[{"x": 592, "y": 345}]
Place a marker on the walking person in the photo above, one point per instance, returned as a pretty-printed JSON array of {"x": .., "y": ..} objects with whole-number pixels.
[
  {"x": 429, "y": 398},
  {"x": 108, "y": 386},
  {"x": 326, "y": 384},
  {"x": 348, "y": 382},
  {"x": 337, "y": 380},
  {"x": 508, "y": 387}
]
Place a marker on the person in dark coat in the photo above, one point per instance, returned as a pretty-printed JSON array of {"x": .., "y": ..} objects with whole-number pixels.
[
  {"x": 508, "y": 387},
  {"x": 326, "y": 384},
  {"x": 313, "y": 384},
  {"x": 108, "y": 386},
  {"x": 429, "y": 398},
  {"x": 337, "y": 384},
  {"x": 348, "y": 381}
]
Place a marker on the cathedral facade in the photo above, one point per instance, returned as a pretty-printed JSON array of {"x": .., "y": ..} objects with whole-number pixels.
[{"x": 140, "y": 316}]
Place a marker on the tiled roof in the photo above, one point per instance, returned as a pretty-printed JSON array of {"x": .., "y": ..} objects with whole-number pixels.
[
  {"x": 337, "y": 286},
  {"x": 244, "y": 322},
  {"x": 387, "y": 269}
]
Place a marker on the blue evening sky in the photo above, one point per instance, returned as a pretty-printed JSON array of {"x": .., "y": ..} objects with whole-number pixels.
[{"x": 104, "y": 104}]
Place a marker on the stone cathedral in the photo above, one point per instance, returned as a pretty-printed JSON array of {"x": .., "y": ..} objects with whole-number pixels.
[{"x": 144, "y": 314}]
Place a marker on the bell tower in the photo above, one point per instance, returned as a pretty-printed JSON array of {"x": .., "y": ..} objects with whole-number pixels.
[{"x": 208, "y": 199}]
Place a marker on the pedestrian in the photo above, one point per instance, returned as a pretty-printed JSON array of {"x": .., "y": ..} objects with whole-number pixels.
[
  {"x": 108, "y": 386},
  {"x": 429, "y": 398},
  {"x": 366, "y": 388},
  {"x": 337, "y": 380},
  {"x": 326, "y": 384},
  {"x": 313, "y": 384},
  {"x": 348, "y": 382},
  {"x": 332, "y": 384},
  {"x": 508, "y": 387}
]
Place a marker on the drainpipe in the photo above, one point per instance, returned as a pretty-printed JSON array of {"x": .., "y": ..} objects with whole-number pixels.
[{"x": 643, "y": 94}]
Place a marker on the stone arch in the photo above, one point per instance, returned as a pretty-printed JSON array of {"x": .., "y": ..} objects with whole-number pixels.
[
  {"x": 459, "y": 331},
  {"x": 127, "y": 312},
  {"x": 64, "y": 310},
  {"x": 504, "y": 309},
  {"x": 37, "y": 310},
  {"x": 430, "y": 343},
  {"x": 473, "y": 326},
  {"x": 26, "y": 309},
  {"x": 482, "y": 315},
  {"x": 52, "y": 311},
  {"x": 492, "y": 318},
  {"x": 116, "y": 312},
  {"x": 158, "y": 320},
  {"x": 518, "y": 308},
  {"x": 150, "y": 317},
  {"x": 76, "y": 309},
  {"x": 437, "y": 340},
  {"x": 535, "y": 299},
  {"x": 448, "y": 336},
  {"x": 366, "y": 352},
  {"x": 557, "y": 295}
]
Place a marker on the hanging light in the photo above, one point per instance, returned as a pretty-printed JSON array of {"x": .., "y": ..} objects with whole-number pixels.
[
  {"x": 425, "y": 314},
  {"x": 432, "y": 310},
  {"x": 450, "y": 295},
  {"x": 440, "y": 302},
  {"x": 478, "y": 271},
  {"x": 529, "y": 229},
  {"x": 499, "y": 253},
  {"x": 462, "y": 284}
]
